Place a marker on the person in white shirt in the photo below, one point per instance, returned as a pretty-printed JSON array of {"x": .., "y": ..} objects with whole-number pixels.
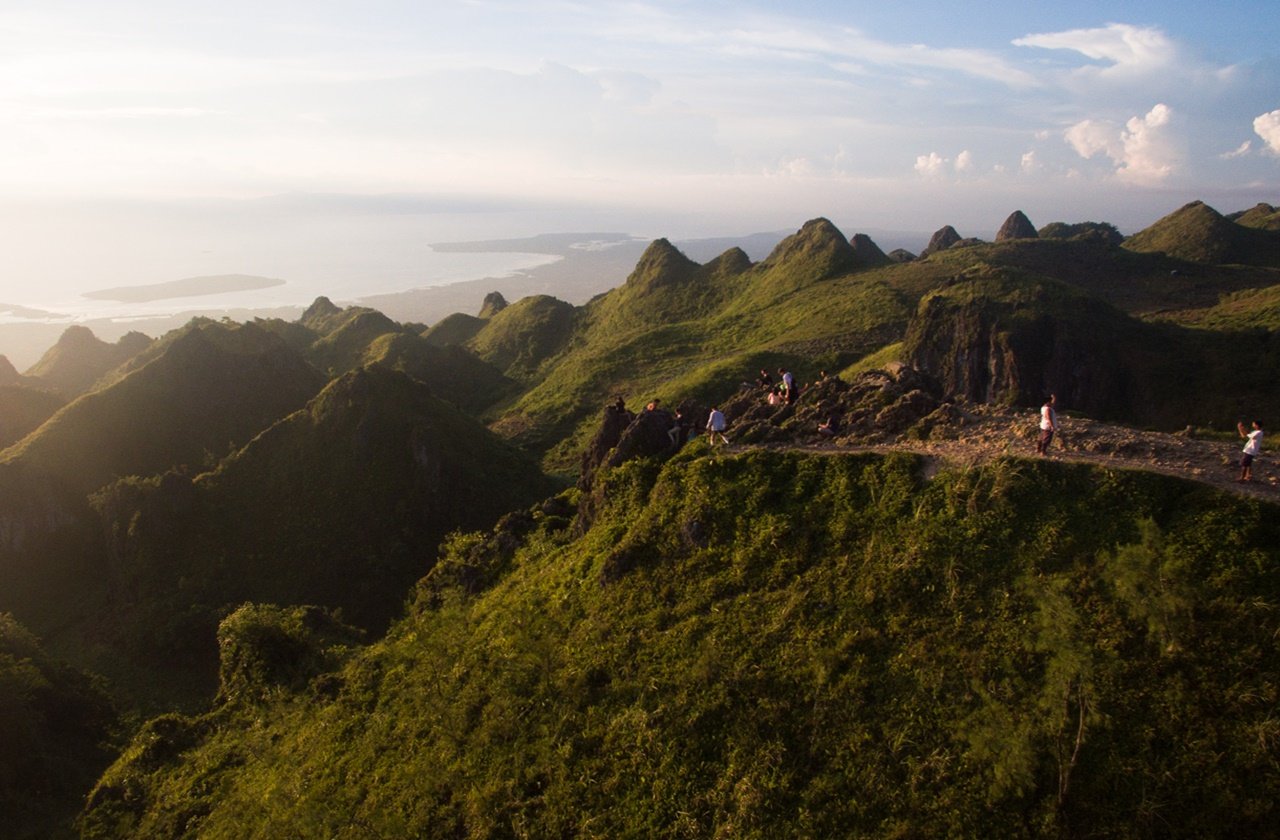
[
  {"x": 1252, "y": 448},
  {"x": 1048, "y": 425},
  {"x": 715, "y": 426}
]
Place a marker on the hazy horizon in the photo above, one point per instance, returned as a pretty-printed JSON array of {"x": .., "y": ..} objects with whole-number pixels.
[{"x": 329, "y": 145}]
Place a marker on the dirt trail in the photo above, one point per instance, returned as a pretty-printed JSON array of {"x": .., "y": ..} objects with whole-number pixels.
[{"x": 989, "y": 432}]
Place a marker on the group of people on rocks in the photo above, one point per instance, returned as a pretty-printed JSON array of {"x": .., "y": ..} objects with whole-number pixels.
[{"x": 786, "y": 391}]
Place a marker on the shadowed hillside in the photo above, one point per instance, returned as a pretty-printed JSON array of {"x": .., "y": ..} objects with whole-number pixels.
[
  {"x": 341, "y": 504},
  {"x": 22, "y": 410},
  {"x": 56, "y": 726},
  {"x": 207, "y": 388}
]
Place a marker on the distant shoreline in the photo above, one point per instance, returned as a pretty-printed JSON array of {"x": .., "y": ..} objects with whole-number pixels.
[{"x": 187, "y": 287}]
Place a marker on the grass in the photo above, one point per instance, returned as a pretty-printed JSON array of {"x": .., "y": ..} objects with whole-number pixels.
[{"x": 783, "y": 645}]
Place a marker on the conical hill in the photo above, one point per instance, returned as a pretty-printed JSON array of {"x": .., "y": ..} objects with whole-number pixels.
[
  {"x": 80, "y": 359},
  {"x": 210, "y": 386},
  {"x": 341, "y": 504}
]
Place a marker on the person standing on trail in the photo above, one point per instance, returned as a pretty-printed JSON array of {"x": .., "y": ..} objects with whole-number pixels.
[
  {"x": 1048, "y": 424},
  {"x": 1252, "y": 448},
  {"x": 715, "y": 426}
]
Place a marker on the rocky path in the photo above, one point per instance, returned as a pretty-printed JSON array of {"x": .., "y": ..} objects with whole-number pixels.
[{"x": 988, "y": 432}]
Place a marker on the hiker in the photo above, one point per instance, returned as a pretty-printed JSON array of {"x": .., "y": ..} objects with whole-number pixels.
[
  {"x": 652, "y": 406},
  {"x": 678, "y": 430},
  {"x": 1252, "y": 448},
  {"x": 788, "y": 385},
  {"x": 764, "y": 380},
  {"x": 1048, "y": 424},
  {"x": 715, "y": 426},
  {"x": 774, "y": 398},
  {"x": 619, "y": 405},
  {"x": 831, "y": 428}
]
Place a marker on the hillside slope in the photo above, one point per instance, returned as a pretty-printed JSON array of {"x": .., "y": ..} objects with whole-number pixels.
[
  {"x": 340, "y": 504},
  {"x": 79, "y": 359},
  {"x": 771, "y": 645}
]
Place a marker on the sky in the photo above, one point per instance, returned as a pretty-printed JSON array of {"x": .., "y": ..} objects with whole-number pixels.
[{"x": 659, "y": 117}]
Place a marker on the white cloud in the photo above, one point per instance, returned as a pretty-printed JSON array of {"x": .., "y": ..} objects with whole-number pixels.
[
  {"x": 1124, "y": 48},
  {"x": 1143, "y": 151},
  {"x": 1029, "y": 163},
  {"x": 1148, "y": 154},
  {"x": 1268, "y": 128},
  {"x": 1242, "y": 150},
  {"x": 1089, "y": 137},
  {"x": 930, "y": 164},
  {"x": 964, "y": 161}
]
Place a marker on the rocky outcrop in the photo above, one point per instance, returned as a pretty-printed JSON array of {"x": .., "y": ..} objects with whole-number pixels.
[
  {"x": 874, "y": 407},
  {"x": 494, "y": 303},
  {"x": 988, "y": 349},
  {"x": 941, "y": 240},
  {"x": 901, "y": 255},
  {"x": 867, "y": 252},
  {"x": 1017, "y": 226},
  {"x": 613, "y": 423}
]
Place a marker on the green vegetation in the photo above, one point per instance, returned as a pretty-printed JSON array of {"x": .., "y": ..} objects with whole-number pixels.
[
  {"x": 341, "y": 504},
  {"x": 1000, "y": 334},
  {"x": 80, "y": 359},
  {"x": 210, "y": 387},
  {"x": 1197, "y": 233},
  {"x": 762, "y": 644},
  {"x": 56, "y": 726},
  {"x": 1020, "y": 649}
]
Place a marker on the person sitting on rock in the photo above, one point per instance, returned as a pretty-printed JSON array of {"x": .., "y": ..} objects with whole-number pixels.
[
  {"x": 764, "y": 380},
  {"x": 775, "y": 397},
  {"x": 831, "y": 428},
  {"x": 1252, "y": 448}
]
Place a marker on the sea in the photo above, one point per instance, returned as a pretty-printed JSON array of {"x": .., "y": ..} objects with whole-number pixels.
[{"x": 50, "y": 260}]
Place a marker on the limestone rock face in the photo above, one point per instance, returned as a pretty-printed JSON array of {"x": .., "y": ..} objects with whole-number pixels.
[
  {"x": 1017, "y": 226},
  {"x": 612, "y": 424},
  {"x": 941, "y": 240}
]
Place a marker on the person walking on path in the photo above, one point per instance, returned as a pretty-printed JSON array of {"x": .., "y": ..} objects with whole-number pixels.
[
  {"x": 1048, "y": 425},
  {"x": 715, "y": 426},
  {"x": 1252, "y": 448}
]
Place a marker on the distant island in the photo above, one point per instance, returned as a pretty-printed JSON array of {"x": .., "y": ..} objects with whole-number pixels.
[{"x": 187, "y": 287}]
